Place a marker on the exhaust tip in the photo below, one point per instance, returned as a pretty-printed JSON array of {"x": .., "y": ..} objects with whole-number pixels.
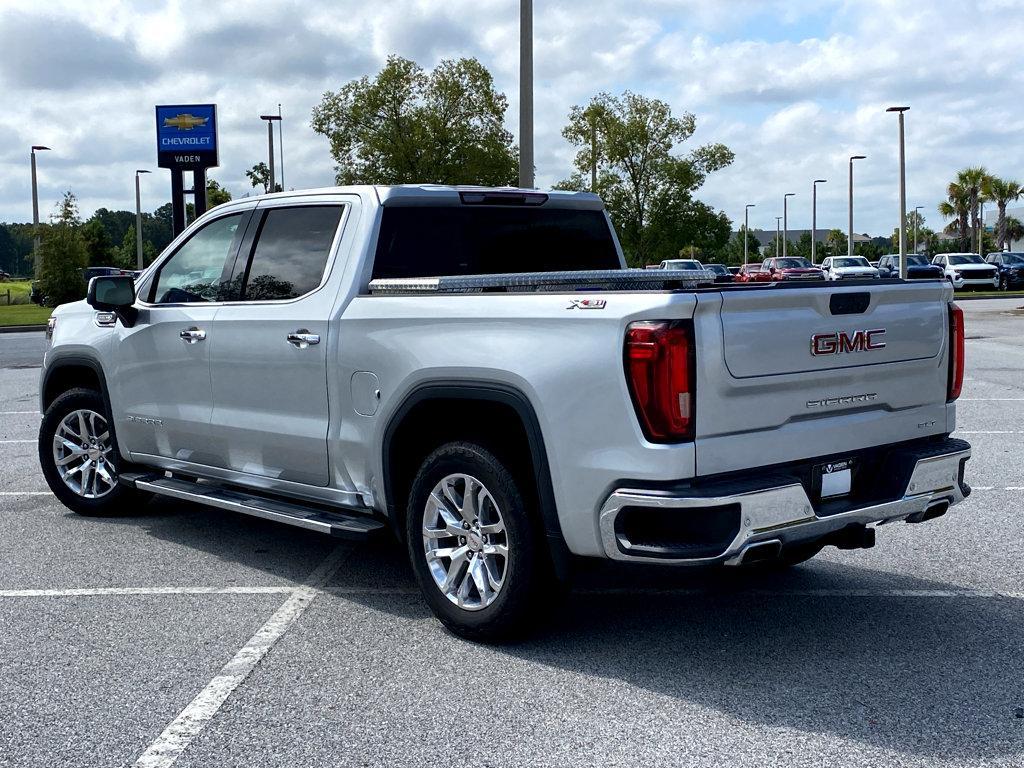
[
  {"x": 934, "y": 510},
  {"x": 761, "y": 551}
]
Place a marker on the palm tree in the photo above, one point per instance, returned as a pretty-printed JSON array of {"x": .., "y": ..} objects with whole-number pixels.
[
  {"x": 1002, "y": 191},
  {"x": 1014, "y": 229},
  {"x": 957, "y": 207},
  {"x": 973, "y": 181}
]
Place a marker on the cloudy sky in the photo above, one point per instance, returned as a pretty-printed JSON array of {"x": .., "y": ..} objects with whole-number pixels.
[{"x": 793, "y": 88}]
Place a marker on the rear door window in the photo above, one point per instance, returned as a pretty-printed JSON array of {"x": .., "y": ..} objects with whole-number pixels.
[{"x": 289, "y": 256}]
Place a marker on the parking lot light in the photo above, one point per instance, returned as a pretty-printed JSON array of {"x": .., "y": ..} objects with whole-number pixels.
[
  {"x": 746, "y": 228},
  {"x": 35, "y": 200},
  {"x": 849, "y": 240},
  {"x": 916, "y": 218},
  {"x": 814, "y": 218},
  {"x": 785, "y": 221},
  {"x": 903, "y": 195}
]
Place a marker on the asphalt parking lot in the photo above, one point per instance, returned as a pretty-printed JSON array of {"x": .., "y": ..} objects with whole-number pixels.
[{"x": 206, "y": 638}]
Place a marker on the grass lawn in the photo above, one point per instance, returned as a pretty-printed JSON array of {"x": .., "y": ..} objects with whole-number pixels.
[
  {"x": 23, "y": 315},
  {"x": 19, "y": 291},
  {"x": 990, "y": 294}
]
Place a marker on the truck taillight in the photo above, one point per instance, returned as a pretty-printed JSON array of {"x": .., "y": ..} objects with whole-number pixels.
[
  {"x": 956, "y": 352},
  {"x": 660, "y": 370}
]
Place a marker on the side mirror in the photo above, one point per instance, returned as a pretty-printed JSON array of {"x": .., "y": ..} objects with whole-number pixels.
[{"x": 113, "y": 293}]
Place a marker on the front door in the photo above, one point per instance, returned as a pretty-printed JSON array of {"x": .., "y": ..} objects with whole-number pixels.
[
  {"x": 160, "y": 383},
  {"x": 269, "y": 351}
]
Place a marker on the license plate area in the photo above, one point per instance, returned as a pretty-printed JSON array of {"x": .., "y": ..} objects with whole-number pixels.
[{"x": 833, "y": 480}]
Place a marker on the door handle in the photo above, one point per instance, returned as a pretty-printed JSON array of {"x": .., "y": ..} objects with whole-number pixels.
[
  {"x": 192, "y": 335},
  {"x": 303, "y": 339}
]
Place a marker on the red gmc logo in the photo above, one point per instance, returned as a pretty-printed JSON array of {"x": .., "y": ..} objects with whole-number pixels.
[{"x": 840, "y": 341}]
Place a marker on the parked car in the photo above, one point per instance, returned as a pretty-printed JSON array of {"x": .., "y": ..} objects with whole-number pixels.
[
  {"x": 681, "y": 264},
  {"x": 92, "y": 272},
  {"x": 360, "y": 360},
  {"x": 1011, "y": 268},
  {"x": 734, "y": 269},
  {"x": 847, "y": 268},
  {"x": 752, "y": 273},
  {"x": 4, "y": 276},
  {"x": 967, "y": 270},
  {"x": 918, "y": 267},
  {"x": 720, "y": 271},
  {"x": 791, "y": 268}
]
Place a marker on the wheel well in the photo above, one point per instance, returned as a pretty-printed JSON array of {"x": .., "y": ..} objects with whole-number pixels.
[
  {"x": 68, "y": 377},
  {"x": 436, "y": 421}
]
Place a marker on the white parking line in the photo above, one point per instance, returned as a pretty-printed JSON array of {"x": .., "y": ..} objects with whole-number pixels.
[
  {"x": 166, "y": 749},
  {"x": 27, "y": 440},
  {"x": 989, "y": 432},
  {"x": 198, "y": 590},
  {"x": 5, "y": 413},
  {"x": 26, "y": 493},
  {"x": 990, "y": 399}
]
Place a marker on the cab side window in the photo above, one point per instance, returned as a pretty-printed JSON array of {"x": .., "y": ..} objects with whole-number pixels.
[
  {"x": 200, "y": 270},
  {"x": 290, "y": 254}
]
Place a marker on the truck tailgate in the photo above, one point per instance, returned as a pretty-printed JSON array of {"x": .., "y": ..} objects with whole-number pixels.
[{"x": 789, "y": 374}]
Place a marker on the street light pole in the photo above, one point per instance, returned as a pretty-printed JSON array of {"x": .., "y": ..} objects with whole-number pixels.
[
  {"x": 280, "y": 141},
  {"x": 917, "y": 218},
  {"x": 903, "y": 195},
  {"x": 981, "y": 228},
  {"x": 785, "y": 220},
  {"x": 270, "y": 147},
  {"x": 526, "y": 94},
  {"x": 814, "y": 219},
  {"x": 849, "y": 240},
  {"x": 778, "y": 219},
  {"x": 746, "y": 228},
  {"x": 35, "y": 201},
  {"x": 138, "y": 217}
]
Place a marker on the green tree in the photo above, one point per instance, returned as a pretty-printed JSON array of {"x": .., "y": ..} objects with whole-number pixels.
[
  {"x": 836, "y": 244},
  {"x": 97, "y": 243},
  {"x": 127, "y": 258},
  {"x": 732, "y": 252},
  {"x": 647, "y": 187},
  {"x": 1002, "y": 192},
  {"x": 957, "y": 206},
  {"x": 259, "y": 176},
  {"x": 215, "y": 194},
  {"x": 1014, "y": 230},
  {"x": 62, "y": 255},
  {"x": 973, "y": 181},
  {"x": 408, "y": 126},
  {"x": 9, "y": 261}
]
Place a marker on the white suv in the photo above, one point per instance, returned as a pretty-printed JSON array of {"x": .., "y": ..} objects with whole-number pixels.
[{"x": 967, "y": 271}]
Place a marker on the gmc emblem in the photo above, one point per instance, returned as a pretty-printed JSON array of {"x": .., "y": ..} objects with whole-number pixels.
[{"x": 840, "y": 342}]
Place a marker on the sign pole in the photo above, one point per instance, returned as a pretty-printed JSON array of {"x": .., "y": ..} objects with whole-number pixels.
[
  {"x": 199, "y": 190},
  {"x": 177, "y": 202}
]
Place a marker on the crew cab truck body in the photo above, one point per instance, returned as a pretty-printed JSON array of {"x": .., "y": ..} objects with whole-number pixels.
[{"x": 296, "y": 357}]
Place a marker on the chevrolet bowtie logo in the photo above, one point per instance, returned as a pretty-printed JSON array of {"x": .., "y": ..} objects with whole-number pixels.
[{"x": 184, "y": 122}]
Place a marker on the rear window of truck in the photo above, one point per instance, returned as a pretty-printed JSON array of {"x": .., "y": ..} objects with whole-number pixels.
[{"x": 429, "y": 241}]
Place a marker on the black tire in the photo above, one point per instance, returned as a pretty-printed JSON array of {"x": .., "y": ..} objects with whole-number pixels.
[
  {"x": 520, "y": 600},
  {"x": 119, "y": 500}
]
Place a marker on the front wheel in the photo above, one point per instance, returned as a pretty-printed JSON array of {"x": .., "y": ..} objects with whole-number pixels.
[
  {"x": 79, "y": 457},
  {"x": 477, "y": 553}
]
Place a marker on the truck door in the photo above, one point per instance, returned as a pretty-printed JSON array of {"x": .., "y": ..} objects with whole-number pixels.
[
  {"x": 269, "y": 350},
  {"x": 161, "y": 391}
]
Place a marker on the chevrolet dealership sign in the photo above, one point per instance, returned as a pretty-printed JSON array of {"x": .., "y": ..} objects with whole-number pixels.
[{"x": 186, "y": 136}]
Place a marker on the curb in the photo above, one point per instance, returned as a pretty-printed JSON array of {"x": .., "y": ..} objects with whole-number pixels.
[
  {"x": 1006, "y": 295},
  {"x": 16, "y": 329}
]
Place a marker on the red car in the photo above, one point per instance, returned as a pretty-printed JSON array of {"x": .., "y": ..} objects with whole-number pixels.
[
  {"x": 791, "y": 268},
  {"x": 751, "y": 273}
]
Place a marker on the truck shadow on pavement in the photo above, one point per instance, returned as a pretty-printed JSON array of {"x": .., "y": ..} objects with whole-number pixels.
[{"x": 934, "y": 677}]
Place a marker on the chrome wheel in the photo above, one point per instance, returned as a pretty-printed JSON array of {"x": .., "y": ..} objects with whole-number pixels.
[
  {"x": 82, "y": 453},
  {"x": 465, "y": 542}
]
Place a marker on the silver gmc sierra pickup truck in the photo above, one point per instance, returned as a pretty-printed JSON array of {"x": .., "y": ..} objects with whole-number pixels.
[{"x": 476, "y": 371}]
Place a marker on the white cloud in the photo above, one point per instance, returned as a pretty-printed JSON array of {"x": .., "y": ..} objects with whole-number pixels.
[{"x": 793, "y": 88}]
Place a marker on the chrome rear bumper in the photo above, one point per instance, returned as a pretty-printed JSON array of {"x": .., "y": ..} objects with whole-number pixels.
[{"x": 782, "y": 513}]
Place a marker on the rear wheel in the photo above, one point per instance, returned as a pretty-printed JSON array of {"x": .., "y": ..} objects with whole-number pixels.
[
  {"x": 1004, "y": 284},
  {"x": 79, "y": 457},
  {"x": 477, "y": 554}
]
